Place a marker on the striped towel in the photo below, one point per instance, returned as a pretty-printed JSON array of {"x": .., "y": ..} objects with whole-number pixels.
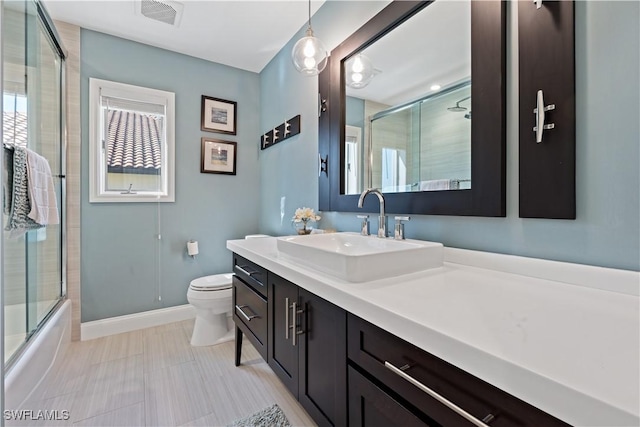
[
  {"x": 19, "y": 221},
  {"x": 7, "y": 180}
]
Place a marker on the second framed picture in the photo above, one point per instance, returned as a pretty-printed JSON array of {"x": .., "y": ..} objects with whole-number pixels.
[
  {"x": 218, "y": 156},
  {"x": 218, "y": 115}
]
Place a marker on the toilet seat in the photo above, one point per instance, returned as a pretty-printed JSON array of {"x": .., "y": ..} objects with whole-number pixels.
[
  {"x": 211, "y": 288},
  {"x": 217, "y": 282}
]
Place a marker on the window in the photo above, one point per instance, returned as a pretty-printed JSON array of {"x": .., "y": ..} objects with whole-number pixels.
[{"x": 132, "y": 143}]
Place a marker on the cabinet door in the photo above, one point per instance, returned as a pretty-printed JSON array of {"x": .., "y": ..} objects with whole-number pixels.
[
  {"x": 283, "y": 355},
  {"x": 371, "y": 406},
  {"x": 322, "y": 360}
]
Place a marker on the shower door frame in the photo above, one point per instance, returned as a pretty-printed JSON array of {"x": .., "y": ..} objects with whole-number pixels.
[{"x": 44, "y": 24}]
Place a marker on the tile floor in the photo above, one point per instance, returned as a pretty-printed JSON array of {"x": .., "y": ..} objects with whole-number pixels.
[{"x": 154, "y": 377}]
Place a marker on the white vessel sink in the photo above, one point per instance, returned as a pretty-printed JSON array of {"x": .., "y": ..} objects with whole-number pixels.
[{"x": 356, "y": 258}]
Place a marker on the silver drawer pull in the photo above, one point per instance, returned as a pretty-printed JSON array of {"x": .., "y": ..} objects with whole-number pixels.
[
  {"x": 240, "y": 309},
  {"x": 286, "y": 318},
  {"x": 455, "y": 408},
  {"x": 242, "y": 270}
]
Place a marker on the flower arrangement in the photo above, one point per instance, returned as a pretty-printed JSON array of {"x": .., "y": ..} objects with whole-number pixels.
[{"x": 304, "y": 215}]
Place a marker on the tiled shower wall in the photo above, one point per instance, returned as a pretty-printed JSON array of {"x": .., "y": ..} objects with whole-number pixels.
[{"x": 70, "y": 35}]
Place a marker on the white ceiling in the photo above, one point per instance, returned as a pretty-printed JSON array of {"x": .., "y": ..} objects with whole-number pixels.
[{"x": 238, "y": 33}]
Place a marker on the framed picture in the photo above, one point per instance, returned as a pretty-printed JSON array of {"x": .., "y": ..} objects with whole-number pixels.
[
  {"x": 218, "y": 156},
  {"x": 218, "y": 115}
]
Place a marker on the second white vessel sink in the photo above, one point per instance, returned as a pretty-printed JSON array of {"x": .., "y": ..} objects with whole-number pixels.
[{"x": 356, "y": 258}]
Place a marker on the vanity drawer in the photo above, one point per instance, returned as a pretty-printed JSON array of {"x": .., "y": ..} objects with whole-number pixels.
[
  {"x": 251, "y": 273},
  {"x": 250, "y": 315},
  {"x": 370, "y": 347}
]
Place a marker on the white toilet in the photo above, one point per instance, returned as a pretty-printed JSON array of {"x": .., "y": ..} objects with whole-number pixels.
[{"x": 211, "y": 297}]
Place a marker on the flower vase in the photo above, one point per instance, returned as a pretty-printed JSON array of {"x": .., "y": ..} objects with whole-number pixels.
[{"x": 304, "y": 230}]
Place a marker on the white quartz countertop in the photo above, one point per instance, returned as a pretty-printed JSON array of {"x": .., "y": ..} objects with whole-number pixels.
[{"x": 569, "y": 346}]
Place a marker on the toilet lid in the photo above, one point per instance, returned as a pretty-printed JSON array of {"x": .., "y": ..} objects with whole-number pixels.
[{"x": 216, "y": 282}]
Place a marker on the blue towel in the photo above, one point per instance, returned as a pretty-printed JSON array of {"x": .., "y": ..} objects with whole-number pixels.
[{"x": 19, "y": 221}]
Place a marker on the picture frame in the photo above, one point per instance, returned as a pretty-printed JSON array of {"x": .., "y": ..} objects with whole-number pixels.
[
  {"x": 218, "y": 115},
  {"x": 218, "y": 156}
]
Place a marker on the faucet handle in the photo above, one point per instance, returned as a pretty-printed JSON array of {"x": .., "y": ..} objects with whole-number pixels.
[
  {"x": 364, "y": 227},
  {"x": 399, "y": 228}
]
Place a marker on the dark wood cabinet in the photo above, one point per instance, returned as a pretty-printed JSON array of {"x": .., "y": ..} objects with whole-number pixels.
[
  {"x": 250, "y": 317},
  {"x": 371, "y": 406},
  {"x": 346, "y": 371},
  {"x": 307, "y": 350},
  {"x": 372, "y": 350},
  {"x": 283, "y": 355}
]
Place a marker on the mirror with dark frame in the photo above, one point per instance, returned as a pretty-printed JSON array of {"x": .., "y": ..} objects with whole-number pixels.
[{"x": 392, "y": 128}]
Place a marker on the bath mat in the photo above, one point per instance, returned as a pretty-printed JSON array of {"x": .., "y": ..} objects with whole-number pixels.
[{"x": 268, "y": 417}]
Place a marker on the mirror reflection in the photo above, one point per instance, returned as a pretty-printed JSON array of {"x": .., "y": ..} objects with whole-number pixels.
[{"x": 408, "y": 105}]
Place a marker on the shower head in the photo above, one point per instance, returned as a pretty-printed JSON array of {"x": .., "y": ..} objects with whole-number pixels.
[{"x": 457, "y": 108}]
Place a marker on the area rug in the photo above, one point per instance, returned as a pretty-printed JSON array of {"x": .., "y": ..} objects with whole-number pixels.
[{"x": 268, "y": 417}]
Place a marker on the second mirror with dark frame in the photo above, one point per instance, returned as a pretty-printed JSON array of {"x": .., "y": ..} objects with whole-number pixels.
[{"x": 481, "y": 192}]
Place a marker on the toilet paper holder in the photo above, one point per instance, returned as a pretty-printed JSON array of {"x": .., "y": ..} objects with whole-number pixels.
[{"x": 192, "y": 248}]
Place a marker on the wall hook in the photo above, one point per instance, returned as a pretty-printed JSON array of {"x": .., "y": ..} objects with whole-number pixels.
[
  {"x": 281, "y": 132},
  {"x": 539, "y": 112},
  {"x": 323, "y": 165},
  {"x": 538, "y": 3},
  {"x": 322, "y": 105}
]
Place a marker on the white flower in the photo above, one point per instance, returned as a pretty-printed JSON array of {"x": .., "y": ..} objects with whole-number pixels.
[{"x": 305, "y": 214}]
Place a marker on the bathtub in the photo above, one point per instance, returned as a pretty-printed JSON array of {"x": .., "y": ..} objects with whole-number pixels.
[{"x": 27, "y": 378}]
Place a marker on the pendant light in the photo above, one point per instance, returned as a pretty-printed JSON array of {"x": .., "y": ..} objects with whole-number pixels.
[
  {"x": 309, "y": 55},
  {"x": 359, "y": 71}
]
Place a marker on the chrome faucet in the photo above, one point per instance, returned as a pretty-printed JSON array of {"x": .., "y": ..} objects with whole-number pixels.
[{"x": 382, "y": 220}]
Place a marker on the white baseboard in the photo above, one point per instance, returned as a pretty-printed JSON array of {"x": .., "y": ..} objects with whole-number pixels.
[{"x": 133, "y": 322}]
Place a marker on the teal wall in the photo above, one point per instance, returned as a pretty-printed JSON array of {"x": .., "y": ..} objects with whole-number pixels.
[
  {"x": 607, "y": 229},
  {"x": 124, "y": 266}
]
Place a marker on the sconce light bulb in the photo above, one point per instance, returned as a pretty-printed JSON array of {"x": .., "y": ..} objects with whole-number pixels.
[{"x": 356, "y": 77}]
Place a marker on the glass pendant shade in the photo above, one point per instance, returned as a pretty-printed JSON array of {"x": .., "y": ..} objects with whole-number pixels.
[
  {"x": 358, "y": 71},
  {"x": 309, "y": 55}
]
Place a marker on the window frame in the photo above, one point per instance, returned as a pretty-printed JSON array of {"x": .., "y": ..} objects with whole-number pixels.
[{"x": 97, "y": 164}]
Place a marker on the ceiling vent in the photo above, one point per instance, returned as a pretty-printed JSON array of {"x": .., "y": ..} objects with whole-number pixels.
[{"x": 167, "y": 11}]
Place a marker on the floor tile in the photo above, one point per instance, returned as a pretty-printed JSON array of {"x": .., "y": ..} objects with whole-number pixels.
[
  {"x": 117, "y": 346},
  {"x": 129, "y": 416},
  {"x": 176, "y": 395},
  {"x": 165, "y": 349},
  {"x": 110, "y": 385}
]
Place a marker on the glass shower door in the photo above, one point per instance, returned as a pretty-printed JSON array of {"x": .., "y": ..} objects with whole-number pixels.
[{"x": 32, "y": 118}]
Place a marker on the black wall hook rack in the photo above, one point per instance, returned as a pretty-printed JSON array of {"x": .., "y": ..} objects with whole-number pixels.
[{"x": 281, "y": 132}]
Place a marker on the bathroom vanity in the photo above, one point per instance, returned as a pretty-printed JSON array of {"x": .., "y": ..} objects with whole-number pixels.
[{"x": 484, "y": 339}]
